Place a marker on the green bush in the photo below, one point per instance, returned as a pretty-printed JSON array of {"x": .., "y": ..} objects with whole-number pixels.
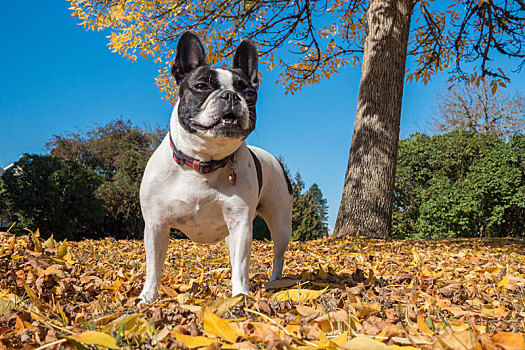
[
  {"x": 55, "y": 195},
  {"x": 460, "y": 184},
  {"x": 118, "y": 152}
]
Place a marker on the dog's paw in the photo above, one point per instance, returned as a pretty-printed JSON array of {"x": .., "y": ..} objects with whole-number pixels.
[
  {"x": 240, "y": 291},
  {"x": 147, "y": 298}
]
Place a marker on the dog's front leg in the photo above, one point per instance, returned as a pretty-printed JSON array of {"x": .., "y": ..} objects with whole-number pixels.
[
  {"x": 156, "y": 241},
  {"x": 239, "y": 243}
]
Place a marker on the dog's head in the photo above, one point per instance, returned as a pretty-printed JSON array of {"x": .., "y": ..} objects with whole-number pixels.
[{"x": 216, "y": 102}]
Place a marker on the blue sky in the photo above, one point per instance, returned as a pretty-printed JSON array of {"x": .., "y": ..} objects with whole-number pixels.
[{"x": 56, "y": 77}]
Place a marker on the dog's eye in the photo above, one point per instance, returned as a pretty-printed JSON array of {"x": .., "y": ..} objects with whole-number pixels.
[
  {"x": 201, "y": 87},
  {"x": 250, "y": 93}
]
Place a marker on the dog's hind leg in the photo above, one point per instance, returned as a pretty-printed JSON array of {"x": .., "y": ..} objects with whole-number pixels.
[
  {"x": 156, "y": 241},
  {"x": 280, "y": 225}
]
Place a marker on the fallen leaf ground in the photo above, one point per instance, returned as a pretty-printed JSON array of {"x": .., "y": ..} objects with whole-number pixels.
[{"x": 338, "y": 293}]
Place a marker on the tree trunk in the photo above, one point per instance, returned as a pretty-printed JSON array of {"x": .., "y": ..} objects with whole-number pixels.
[{"x": 368, "y": 193}]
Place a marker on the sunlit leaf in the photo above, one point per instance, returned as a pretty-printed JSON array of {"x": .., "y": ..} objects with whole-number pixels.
[
  {"x": 49, "y": 243},
  {"x": 508, "y": 341},
  {"x": 364, "y": 343},
  {"x": 95, "y": 338},
  {"x": 221, "y": 306},
  {"x": 33, "y": 296},
  {"x": 194, "y": 342},
  {"x": 298, "y": 295},
  {"x": 422, "y": 325},
  {"x": 215, "y": 325}
]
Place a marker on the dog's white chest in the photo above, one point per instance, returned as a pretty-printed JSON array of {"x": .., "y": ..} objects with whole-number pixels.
[
  {"x": 201, "y": 218},
  {"x": 188, "y": 203}
]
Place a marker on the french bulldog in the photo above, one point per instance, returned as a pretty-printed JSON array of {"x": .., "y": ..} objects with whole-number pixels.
[{"x": 203, "y": 179}]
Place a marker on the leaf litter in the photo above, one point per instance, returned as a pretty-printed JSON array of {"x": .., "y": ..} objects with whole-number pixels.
[{"x": 348, "y": 293}]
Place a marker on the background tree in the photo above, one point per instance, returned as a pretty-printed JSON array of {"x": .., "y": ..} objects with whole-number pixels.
[
  {"x": 55, "y": 195},
  {"x": 460, "y": 184},
  {"x": 321, "y": 207},
  {"x": 118, "y": 152},
  {"x": 309, "y": 214},
  {"x": 477, "y": 108},
  {"x": 326, "y": 36},
  {"x": 261, "y": 231}
]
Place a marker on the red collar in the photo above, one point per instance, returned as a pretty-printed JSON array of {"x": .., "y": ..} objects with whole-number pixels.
[{"x": 203, "y": 167}]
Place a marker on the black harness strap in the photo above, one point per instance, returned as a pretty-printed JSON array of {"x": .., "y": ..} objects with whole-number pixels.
[
  {"x": 258, "y": 169},
  {"x": 288, "y": 183}
]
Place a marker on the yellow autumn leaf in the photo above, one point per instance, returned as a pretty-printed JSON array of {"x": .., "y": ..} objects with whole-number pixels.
[
  {"x": 201, "y": 278},
  {"x": 220, "y": 306},
  {"x": 63, "y": 255},
  {"x": 416, "y": 256},
  {"x": 422, "y": 325},
  {"x": 128, "y": 324},
  {"x": 62, "y": 251},
  {"x": 460, "y": 327},
  {"x": 36, "y": 242},
  {"x": 504, "y": 282},
  {"x": 323, "y": 341},
  {"x": 11, "y": 244},
  {"x": 33, "y": 296},
  {"x": 62, "y": 314},
  {"x": 222, "y": 260},
  {"x": 507, "y": 340},
  {"x": 498, "y": 310},
  {"x": 215, "y": 325},
  {"x": 340, "y": 339},
  {"x": 193, "y": 342},
  {"x": 5, "y": 306},
  {"x": 49, "y": 243},
  {"x": 305, "y": 310},
  {"x": 95, "y": 338},
  {"x": 364, "y": 343},
  {"x": 298, "y": 295}
]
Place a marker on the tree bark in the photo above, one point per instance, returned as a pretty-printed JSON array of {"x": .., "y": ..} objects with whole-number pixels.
[{"x": 368, "y": 193}]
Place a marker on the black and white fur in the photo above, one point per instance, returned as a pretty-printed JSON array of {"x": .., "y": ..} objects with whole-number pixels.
[{"x": 214, "y": 114}]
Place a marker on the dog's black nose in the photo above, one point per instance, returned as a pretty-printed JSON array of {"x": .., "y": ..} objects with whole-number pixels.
[{"x": 230, "y": 95}]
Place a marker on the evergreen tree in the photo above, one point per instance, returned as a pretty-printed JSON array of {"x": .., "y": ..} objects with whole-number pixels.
[
  {"x": 261, "y": 231},
  {"x": 320, "y": 204},
  {"x": 309, "y": 214},
  {"x": 299, "y": 207}
]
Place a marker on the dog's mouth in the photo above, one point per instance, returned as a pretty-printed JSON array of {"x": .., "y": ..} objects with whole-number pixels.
[{"x": 227, "y": 120}]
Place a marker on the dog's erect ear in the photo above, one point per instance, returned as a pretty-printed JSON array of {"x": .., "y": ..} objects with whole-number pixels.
[
  {"x": 190, "y": 55},
  {"x": 247, "y": 59}
]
